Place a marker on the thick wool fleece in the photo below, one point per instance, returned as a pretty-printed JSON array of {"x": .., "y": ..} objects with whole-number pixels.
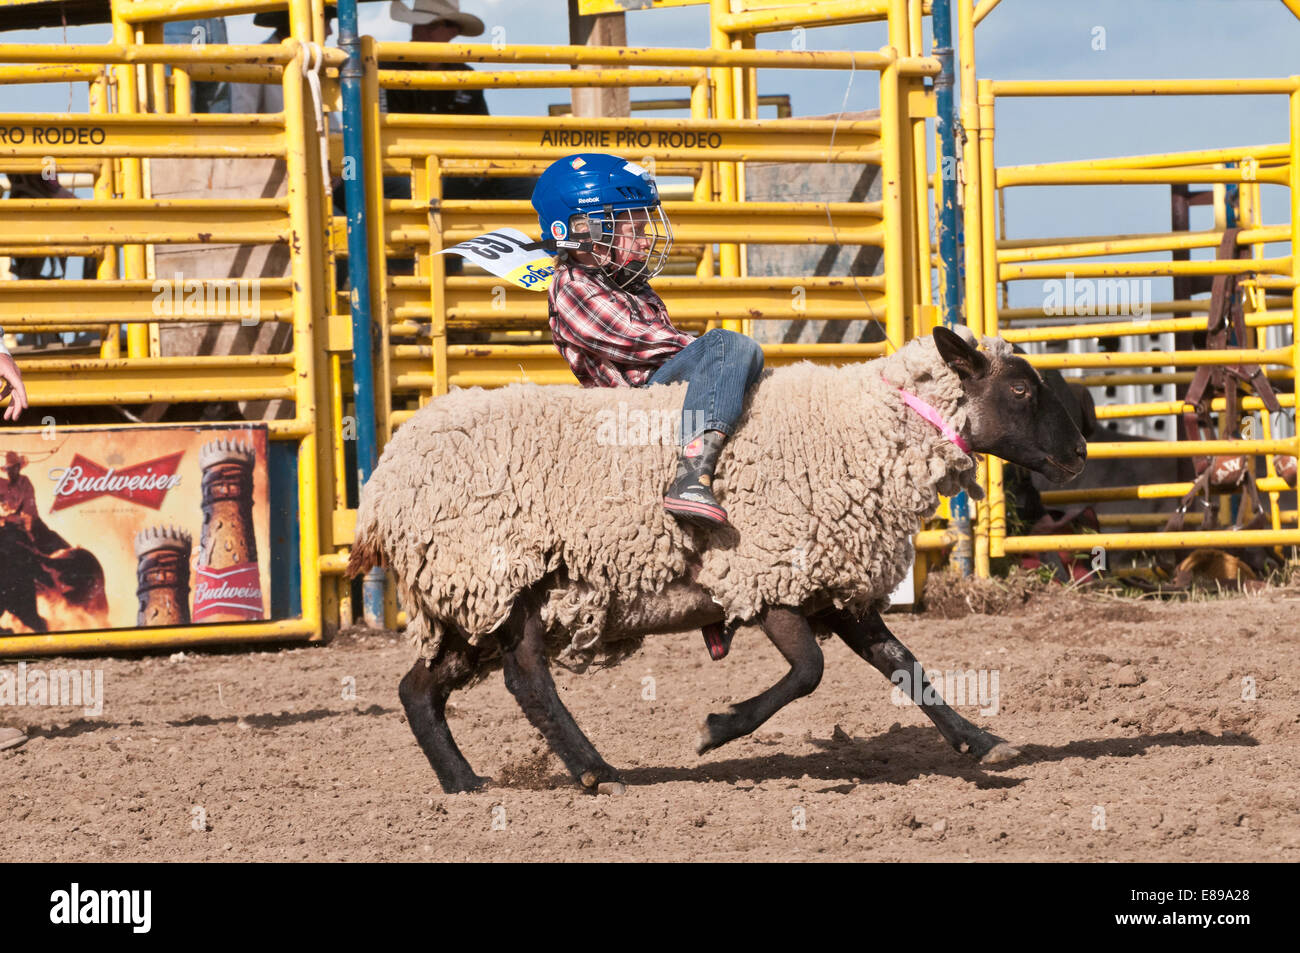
[{"x": 825, "y": 482}]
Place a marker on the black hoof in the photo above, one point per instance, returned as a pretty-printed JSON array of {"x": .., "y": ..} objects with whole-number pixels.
[
  {"x": 1000, "y": 752},
  {"x": 465, "y": 785},
  {"x": 990, "y": 749},
  {"x": 716, "y": 731}
]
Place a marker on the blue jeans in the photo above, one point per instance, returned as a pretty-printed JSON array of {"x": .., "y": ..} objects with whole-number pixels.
[
  {"x": 720, "y": 367},
  {"x": 204, "y": 97}
]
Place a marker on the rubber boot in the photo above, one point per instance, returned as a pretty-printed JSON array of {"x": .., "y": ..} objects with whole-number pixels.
[
  {"x": 690, "y": 498},
  {"x": 717, "y": 637}
]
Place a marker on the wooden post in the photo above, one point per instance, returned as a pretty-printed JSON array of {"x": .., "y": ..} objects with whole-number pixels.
[{"x": 609, "y": 29}]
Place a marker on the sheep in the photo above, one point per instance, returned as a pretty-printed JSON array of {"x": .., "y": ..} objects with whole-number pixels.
[{"x": 510, "y": 513}]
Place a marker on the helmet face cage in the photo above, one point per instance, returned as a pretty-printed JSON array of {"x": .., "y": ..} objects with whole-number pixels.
[{"x": 630, "y": 244}]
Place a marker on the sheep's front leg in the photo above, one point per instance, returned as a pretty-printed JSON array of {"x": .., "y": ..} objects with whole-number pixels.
[
  {"x": 793, "y": 638},
  {"x": 870, "y": 638},
  {"x": 529, "y": 679},
  {"x": 424, "y": 692}
]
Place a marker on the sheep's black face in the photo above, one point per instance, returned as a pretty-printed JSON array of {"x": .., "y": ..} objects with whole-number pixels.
[{"x": 1012, "y": 413}]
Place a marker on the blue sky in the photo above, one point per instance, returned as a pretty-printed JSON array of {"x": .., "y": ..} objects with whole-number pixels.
[{"x": 1021, "y": 39}]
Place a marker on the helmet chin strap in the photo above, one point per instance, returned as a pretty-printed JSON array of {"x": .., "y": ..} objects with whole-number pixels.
[
  {"x": 622, "y": 275},
  {"x": 555, "y": 246}
]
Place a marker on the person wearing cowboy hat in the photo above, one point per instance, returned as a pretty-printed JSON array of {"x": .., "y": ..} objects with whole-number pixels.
[
  {"x": 436, "y": 21},
  {"x": 17, "y": 497},
  {"x": 269, "y": 97},
  {"x": 11, "y": 382}
]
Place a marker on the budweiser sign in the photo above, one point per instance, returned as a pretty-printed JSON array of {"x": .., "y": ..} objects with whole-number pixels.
[
  {"x": 144, "y": 483},
  {"x": 234, "y": 593}
]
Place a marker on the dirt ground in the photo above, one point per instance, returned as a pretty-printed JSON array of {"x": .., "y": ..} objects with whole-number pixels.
[{"x": 258, "y": 755}]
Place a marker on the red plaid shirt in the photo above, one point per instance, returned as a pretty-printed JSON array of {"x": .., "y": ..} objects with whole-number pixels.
[{"x": 609, "y": 336}]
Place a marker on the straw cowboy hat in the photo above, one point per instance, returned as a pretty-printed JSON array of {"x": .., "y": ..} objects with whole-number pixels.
[{"x": 430, "y": 11}]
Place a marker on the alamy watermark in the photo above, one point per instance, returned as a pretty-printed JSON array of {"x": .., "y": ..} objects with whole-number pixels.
[
  {"x": 1129, "y": 297},
  {"x": 78, "y": 905},
  {"x": 957, "y": 688},
  {"x": 624, "y": 427},
  {"x": 209, "y": 298},
  {"x": 58, "y": 687}
]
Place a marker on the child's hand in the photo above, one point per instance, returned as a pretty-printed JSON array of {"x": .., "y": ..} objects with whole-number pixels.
[{"x": 11, "y": 381}]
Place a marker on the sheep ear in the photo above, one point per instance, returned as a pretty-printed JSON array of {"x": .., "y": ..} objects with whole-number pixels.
[
  {"x": 1087, "y": 410},
  {"x": 968, "y": 363}
]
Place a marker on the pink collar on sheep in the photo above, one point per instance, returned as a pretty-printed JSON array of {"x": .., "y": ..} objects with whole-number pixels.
[{"x": 932, "y": 415}]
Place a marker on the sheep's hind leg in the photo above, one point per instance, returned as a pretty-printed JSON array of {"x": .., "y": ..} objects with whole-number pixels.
[
  {"x": 870, "y": 638},
  {"x": 523, "y": 644},
  {"x": 424, "y": 693},
  {"x": 793, "y": 638}
]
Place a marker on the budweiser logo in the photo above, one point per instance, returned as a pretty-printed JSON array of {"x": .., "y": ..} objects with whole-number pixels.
[
  {"x": 225, "y": 591},
  {"x": 144, "y": 483},
  {"x": 236, "y": 591}
]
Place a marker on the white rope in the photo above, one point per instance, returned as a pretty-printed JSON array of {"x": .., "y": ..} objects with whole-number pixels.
[{"x": 312, "y": 65}]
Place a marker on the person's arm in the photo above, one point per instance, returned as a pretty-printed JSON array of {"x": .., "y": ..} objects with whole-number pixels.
[
  {"x": 601, "y": 322},
  {"x": 244, "y": 97},
  {"x": 11, "y": 380}
]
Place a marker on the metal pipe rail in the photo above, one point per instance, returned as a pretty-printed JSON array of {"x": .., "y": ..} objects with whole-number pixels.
[
  {"x": 1037, "y": 249},
  {"x": 1281, "y": 355},
  {"x": 116, "y": 54},
  {"x": 1178, "y": 306},
  {"x": 1161, "y": 407},
  {"x": 1130, "y": 328},
  {"x": 49, "y": 73},
  {"x": 1173, "y": 377},
  {"x": 463, "y": 167},
  {"x": 67, "y": 382},
  {"x": 821, "y": 13},
  {"x": 470, "y": 299},
  {"x": 115, "y": 301},
  {"x": 1269, "y": 154},
  {"x": 116, "y": 640},
  {"x": 132, "y": 136},
  {"x": 411, "y": 136},
  {"x": 1146, "y": 491},
  {"x": 539, "y": 79},
  {"x": 1005, "y": 88},
  {"x": 1006, "y": 177},
  {"x": 1140, "y": 520},
  {"x": 784, "y": 223},
  {"x": 1193, "y": 540},
  {"x": 1150, "y": 269},
  {"x": 1188, "y": 448},
  {"x": 651, "y": 56},
  {"x": 146, "y": 221}
]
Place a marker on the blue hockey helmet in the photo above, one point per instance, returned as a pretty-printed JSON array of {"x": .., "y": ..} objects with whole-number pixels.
[{"x": 608, "y": 207}]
